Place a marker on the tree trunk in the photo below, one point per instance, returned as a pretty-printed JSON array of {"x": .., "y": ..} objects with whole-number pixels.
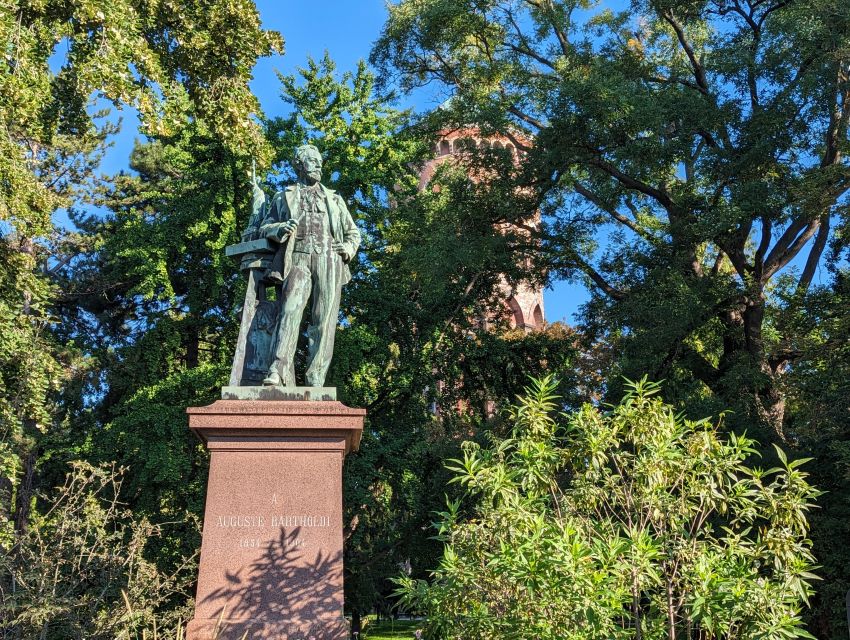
[
  {"x": 671, "y": 613},
  {"x": 767, "y": 396},
  {"x": 636, "y": 612},
  {"x": 355, "y": 622},
  {"x": 193, "y": 341},
  {"x": 743, "y": 338},
  {"x": 24, "y": 494}
]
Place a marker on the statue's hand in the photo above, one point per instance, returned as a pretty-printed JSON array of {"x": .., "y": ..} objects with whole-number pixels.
[
  {"x": 339, "y": 247},
  {"x": 281, "y": 230}
]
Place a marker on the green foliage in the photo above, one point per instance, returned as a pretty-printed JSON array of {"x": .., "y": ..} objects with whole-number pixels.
[
  {"x": 167, "y": 465},
  {"x": 629, "y": 523},
  {"x": 703, "y": 145},
  {"x": 690, "y": 161},
  {"x": 80, "y": 572},
  {"x": 819, "y": 404},
  {"x": 366, "y": 150},
  {"x": 99, "y": 323}
]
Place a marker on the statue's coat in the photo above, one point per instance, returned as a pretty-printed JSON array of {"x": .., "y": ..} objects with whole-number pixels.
[{"x": 284, "y": 207}]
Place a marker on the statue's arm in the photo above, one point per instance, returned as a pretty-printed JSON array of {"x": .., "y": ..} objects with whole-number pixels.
[
  {"x": 277, "y": 224},
  {"x": 350, "y": 232}
]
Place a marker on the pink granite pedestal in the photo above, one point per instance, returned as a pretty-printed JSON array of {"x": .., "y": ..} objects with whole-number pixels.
[{"x": 271, "y": 553}]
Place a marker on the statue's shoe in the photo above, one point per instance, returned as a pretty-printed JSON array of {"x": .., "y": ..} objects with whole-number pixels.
[{"x": 273, "y": 380}]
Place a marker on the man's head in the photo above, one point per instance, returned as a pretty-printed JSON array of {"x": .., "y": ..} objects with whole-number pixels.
[{"x": 308, "y": 163}]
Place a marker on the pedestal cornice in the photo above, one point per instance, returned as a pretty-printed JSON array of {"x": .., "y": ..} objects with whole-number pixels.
[{"x": 278, "y": 418}]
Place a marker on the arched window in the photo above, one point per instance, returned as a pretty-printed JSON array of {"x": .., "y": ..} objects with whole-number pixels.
[
  {"x": 498, "y": 145},
  {"x": 516, "y": 317},
  {"x": 445, "y": 147},
  {"x": 538, "y": 317},
  {"x": 465, "y": 144},
  {"x": 510, "y": 148}
]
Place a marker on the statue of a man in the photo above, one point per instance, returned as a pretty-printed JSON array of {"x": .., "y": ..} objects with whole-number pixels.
[{"x": 316, "y": 238}]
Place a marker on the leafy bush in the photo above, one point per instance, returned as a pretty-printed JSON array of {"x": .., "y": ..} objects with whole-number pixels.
[
  {"x": 78, "y": 571},
  {"x": 627, "y": 523}
]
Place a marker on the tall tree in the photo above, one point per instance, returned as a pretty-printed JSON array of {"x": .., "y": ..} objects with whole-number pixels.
[
  {"x": 180, "y": 65},
  {"x": 707, "y": 139}
]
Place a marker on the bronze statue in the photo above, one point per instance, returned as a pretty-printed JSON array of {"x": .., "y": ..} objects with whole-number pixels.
[{"x": 300, "y": 245}]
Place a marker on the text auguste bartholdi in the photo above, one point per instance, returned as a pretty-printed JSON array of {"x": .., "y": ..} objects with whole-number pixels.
[{"x": 244, "y": 521}]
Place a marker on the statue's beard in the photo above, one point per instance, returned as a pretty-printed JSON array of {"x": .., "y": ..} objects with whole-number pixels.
[{"x": 312, "y": 177}]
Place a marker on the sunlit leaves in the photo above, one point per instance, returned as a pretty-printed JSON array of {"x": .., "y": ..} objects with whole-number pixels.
[{"x": 650, "y": 523}]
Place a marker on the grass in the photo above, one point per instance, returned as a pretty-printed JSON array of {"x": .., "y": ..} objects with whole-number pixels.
[{"x": 391, "y": 629}]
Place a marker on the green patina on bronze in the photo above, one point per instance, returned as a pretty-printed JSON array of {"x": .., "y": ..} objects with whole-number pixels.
[
  {"x": 299, "y": 246},
  {"x": 268, "y": 392}
]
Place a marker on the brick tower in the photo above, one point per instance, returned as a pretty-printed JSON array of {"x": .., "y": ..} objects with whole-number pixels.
[{"x": 524, "y": 303}]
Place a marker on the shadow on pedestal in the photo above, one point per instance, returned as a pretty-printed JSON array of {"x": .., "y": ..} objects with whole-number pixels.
[
  {"x": 279, "y": 586},
  {"x": 271, "y": 557}
]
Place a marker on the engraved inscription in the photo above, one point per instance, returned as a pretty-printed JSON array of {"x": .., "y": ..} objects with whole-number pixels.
[
  {"x": 262, "y": 539},
  {"x": 301, "y": 521},
  {"x": 251, "y": 543},
  {"x": 241, "y": 521}
]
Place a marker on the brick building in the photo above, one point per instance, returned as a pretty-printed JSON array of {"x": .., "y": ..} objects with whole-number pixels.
[{"x": 524, "y": 303}]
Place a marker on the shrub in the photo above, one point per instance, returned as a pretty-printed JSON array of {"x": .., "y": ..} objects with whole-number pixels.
[
  {"x": 627, "y": 523},
  {"x": 79, "y": 571}
]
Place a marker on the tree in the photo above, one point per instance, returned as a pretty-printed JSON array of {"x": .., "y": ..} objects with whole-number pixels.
[
  {"x": 705, "y": 141},
  {"x": 185, "y": 68},
  {"x": 628, "y": 523},
  {"x": 690, "y": 160}
]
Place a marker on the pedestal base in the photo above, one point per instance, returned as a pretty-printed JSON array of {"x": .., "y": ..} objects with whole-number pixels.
[
  {"x": 199, "y": 629},
  {"x": 271, "y": 553}
]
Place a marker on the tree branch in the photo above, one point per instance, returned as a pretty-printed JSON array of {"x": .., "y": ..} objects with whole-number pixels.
[
  {"x": 699, "y": 72},
  {"x": 770, "y": 10},
  {"x": 546, "y": 7},
  {"x": 531, "y": 54},
  {"x": 718, "y": 262},
  {"x": 781, "y": 256},
  {"x": 701, "y": 366},
  {"x": 612, "y": 211},
  {"x": 519, "y": 144},
  {"x": 534, "y": 122},
  {"x": 597, "y": 278},
  {"x": 736, "y": 256},
  {"x": 525, "y": 48},
  {"x": 814, "y": 255},
  {"x": 766, "y": 233},
  {"x": 681, "y": 81},
  {"x": 632, "y": 183}
]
